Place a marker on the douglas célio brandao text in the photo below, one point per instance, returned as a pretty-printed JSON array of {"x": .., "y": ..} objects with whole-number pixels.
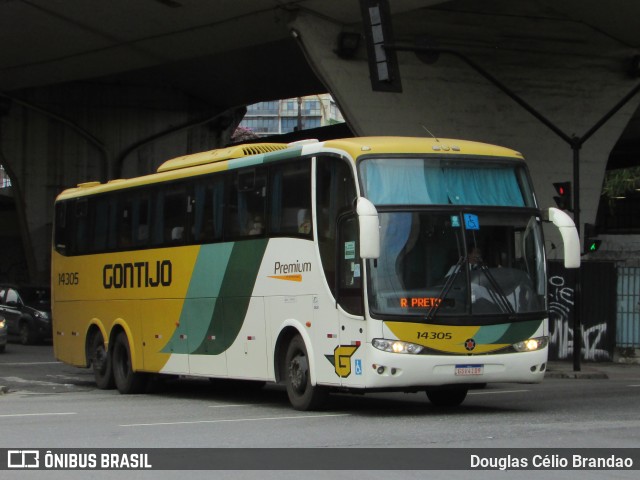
[{"x": 550, "y": 462}]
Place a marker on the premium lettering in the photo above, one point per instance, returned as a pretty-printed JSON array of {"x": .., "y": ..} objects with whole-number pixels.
[
  {"x": 289, "y": 268},
  {"x": 137, "y": 275}
]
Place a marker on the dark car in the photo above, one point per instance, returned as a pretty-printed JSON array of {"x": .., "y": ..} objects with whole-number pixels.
[
  {"x": 3, "y": 334},
  {"x": 27, "y": 311}
]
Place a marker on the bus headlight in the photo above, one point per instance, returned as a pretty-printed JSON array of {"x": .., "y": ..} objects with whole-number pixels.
[
  {"x": 531, "y": 344},
  {"x": 396, "y": 346},
  {"x": 2, "y": 322}
]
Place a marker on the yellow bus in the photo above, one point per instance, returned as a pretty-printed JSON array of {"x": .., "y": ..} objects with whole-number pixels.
[{"x": 361, "y": 264}]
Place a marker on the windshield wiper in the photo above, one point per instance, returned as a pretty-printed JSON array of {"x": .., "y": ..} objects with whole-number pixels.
[
  {"x": 501, "y": 299},
  {"x": 457, "y": 268}
]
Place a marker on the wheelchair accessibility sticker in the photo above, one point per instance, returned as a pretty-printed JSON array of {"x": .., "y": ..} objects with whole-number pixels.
[
  {"x": 358, "y": 366},
  {"x": 471, "y": 221}
]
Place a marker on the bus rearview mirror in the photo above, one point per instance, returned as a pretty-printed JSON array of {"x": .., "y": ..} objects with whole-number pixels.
[
  {"x": 369, "y": 229},
  {"x": 570, "y": 237}
]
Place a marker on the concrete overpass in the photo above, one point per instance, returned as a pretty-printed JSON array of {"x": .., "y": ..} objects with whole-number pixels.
[{"x": 96, "y": 90}]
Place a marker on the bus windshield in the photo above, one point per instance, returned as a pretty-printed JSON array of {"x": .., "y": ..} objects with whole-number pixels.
[
  {"x": 438, "y": 181},
  {"x": 458, "y": 239},
  {"x": 442, "y": 264}
]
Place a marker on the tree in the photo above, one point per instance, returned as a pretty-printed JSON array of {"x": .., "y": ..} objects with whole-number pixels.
[{"x": 243, "y": 134}]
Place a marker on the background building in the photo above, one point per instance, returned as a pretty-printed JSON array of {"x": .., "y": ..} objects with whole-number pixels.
[{"x": 292, "y": 114}]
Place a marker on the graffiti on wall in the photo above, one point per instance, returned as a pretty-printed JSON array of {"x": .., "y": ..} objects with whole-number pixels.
[{"x": 594, "y": 337}]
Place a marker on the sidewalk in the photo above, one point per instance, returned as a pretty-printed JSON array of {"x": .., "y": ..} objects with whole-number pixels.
[{"x": 593, "y": 370}]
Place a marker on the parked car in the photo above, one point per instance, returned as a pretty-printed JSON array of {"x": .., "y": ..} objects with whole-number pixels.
[
  {"x": 3, "y": 334},
  {"x": 27, "y": 311}
]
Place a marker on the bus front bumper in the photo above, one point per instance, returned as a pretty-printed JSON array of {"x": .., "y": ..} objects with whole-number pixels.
[{"x": 390, "y": 370}]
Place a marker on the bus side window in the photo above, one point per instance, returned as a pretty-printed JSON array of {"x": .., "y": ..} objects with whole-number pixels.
[
  {"x": 141, "y": 220},
  {"x": 80, "y": 245},
  {"x": 246, "y": 203},
  {"x": 207, "y": 212},
  {"x": 61, "y": 240},
  {"x": 138, "y": 224},
  {"x": 103, "y": 231},
  {"x": 291, "y": 199},
  {"x": 124, "y": 223},
  {"x": 170, "y": 216}
]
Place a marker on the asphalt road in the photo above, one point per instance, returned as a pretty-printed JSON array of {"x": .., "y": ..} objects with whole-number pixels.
[{"x": 51, "y": 405}]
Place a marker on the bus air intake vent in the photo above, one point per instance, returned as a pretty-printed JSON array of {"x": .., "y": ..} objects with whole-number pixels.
[
  {"x": 219, "y": 155},
  {"x": 262, "y": 148}
]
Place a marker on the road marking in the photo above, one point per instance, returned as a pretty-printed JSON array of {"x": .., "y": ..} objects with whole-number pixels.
[
  {"x": 498, "y": 392},
  {"x": 633, "y": 385},
  {"x": 35, "y": 382},
  {"x": 231, "y": 420},
  {"x": 35, "y": 414},
  {"x": 17, "y": 364},
  {"x": 225, "y": 406}
]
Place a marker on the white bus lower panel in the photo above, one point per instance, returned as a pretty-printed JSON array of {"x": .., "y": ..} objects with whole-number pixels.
[{"x": 383, "y": 370}]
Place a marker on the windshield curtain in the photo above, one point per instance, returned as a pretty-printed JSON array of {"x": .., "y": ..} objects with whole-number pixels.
[
  {"x": 419, "y": 181},
  {"x": 442, "y": 264}
]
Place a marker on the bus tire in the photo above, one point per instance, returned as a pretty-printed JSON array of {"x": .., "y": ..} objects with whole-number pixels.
[
  {"x": 127, "y": 381},
  {"x": 447, "y": 397},
  {"x": 302, "y": 394},
  {"x": 101, "y": 362}
]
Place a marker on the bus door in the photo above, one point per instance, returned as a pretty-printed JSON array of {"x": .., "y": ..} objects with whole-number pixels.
[{"x": 349, "y": 291}]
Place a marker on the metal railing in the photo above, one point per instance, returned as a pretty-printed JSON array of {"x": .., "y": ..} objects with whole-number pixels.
[{"x": 628, "y": 308}]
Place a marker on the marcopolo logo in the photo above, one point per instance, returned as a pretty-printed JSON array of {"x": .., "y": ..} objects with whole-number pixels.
[{"x": 137, "y": 275}]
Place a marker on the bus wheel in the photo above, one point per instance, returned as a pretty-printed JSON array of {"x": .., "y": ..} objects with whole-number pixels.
[
  {"x": 302, "y": 395},
  {"x": 127, "y": 381},
  {"x": 447, "y": 397},
  {"x": 101, "y": 363}
]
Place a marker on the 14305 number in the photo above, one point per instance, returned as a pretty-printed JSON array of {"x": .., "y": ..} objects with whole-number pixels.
[
  {"x": 435, "y": 335},
  {"x": 68, "y": 278}
]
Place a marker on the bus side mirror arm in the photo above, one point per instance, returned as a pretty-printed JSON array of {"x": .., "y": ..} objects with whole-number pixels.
[
  {"x": 570, "y": 237},
  {"x": 369, "y": 229}
]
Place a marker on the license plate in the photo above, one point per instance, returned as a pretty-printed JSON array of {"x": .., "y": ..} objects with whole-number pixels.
[{"x": 468, "y": 370}]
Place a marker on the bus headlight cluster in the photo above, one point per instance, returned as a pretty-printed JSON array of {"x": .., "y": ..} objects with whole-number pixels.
[
  {"x": 396, "y": 346},
  {"x": 531, "y": 345}
]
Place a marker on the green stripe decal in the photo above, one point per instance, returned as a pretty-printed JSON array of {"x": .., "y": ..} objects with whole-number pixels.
[
  {"x": 506, "y": 333},
  {"x": 218, "y": 297},
  {"x": 491, "y": 334},
  {"x": 261, "y": 159},
  {"x": 233, "y": 300},
  {"x": 519, "y": 331}
]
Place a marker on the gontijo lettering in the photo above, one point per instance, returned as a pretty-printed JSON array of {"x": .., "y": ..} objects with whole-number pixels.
[{"x": 137, "y": 275}]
